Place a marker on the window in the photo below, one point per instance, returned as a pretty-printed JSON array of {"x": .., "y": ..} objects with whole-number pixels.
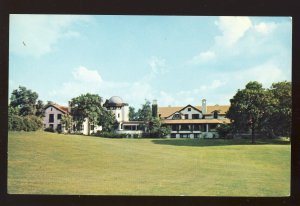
[
  {"x": 185, "y": 127},
  {"x": 197, "y": 127},
  {"x": 189, "y": 109},
  {"x": 51, "y": 118},
  {"x": 173, "y": 135},
  {"x": 176, "y": 116},
  {"x": 118, "y": 114},
  {"x": 51, "y": 126},
  {"x": 58, "y": 127},
  {"x": 186, "y": 116},
  {"x": 195, "y": 116},
  {"x": 58, "y": 116},
  {"x": 51, "y": 109},
  {"x": 215, "y": 115},
  {"x": 92, "y": 127},
  {"x": 174, "y": 127}
]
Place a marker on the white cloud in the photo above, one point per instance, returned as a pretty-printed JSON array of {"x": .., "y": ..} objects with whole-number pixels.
[
  {"x": 40, "y": 32},
  {"x": 85, "y": 75},
  {"x": 233, "y": 28},
  {"x": 265, "y": 28},
  {"x": 265, "y": 73},
  {"x": 203, "y": 57},
  {"x": 157, "y": 65}
]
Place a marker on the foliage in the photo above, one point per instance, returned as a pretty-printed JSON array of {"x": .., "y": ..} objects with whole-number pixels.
[
  {"x": 27, "y": 123},
  {"x": 15, "y": 123},
  {"x": 249, "y": 108},
  {"x": 49, "y": 129},
  {"x": 110, "y": 134},
  {"x": 145, "y": 114},
  {"x": 66, "y": 121},
  {"x": 86, "y": 106},
  {"x": 280, "y": 121},
  {"x": 25, "y": 100},
  {"x": 108, "y": 121},
  {"x": 157, "y": 129},
  {"x": 40, "y": 111},
  {"x": 267, "y": 111},
  {"x": 132, "y": 114},
  {"x": 223, "y": 130}
]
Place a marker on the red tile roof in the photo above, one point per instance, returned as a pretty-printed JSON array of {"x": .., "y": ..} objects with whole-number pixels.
[{"x": 61, "y": 108}]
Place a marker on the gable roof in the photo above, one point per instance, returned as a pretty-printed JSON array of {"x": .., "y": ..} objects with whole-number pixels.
[
  {"x": 185, "y": 108},
  {"x": 167, "y": 111},
  {"x": 61, "y": 108}
]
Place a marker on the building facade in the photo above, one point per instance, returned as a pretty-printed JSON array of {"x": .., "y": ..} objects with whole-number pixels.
[
  {"x": 53, "y": 116},
  {"x": 121, "y": 111},
  {"x": 193, "y": 121}
]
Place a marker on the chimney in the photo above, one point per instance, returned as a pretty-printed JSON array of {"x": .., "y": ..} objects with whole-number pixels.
[
  {"x": 69, "y": 106},
  {"x": 204, "y": 109},
  {"x": 154, "y": 108}
]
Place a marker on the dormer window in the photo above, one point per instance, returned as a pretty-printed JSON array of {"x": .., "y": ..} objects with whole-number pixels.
[
  {"x": 176, "y": 116},
  {"x": 189, "y": 109},
  {"x": 215, "y": 115},
  {"x": 186, "y": 116}
]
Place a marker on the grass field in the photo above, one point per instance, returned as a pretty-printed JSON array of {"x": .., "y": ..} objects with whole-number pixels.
[{"x": 48, "y": 163}]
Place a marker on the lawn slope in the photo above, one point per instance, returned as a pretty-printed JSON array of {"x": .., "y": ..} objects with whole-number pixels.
[{"x": 48, "y": 163}]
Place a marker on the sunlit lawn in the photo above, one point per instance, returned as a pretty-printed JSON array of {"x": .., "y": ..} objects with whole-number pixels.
[{"x": 49, "y": 163}]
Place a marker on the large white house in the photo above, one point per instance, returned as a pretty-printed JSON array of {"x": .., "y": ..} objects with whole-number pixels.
[
  {"x": 185, "y": 121},
  {"x": 53, "y": 116},
  {"x": 194, "y": 121}
]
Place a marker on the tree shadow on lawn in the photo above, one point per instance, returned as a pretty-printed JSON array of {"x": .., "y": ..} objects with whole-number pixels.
[{"x": 219, "y": 142}]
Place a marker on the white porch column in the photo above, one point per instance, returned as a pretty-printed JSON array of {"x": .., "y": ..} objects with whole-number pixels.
[{"x": 206, "y": 127}]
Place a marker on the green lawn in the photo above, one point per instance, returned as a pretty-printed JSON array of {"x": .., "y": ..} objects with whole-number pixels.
[{"x": 48, "y": 163}]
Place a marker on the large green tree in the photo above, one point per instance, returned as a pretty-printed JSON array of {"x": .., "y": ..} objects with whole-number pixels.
[
  {"x": 157, "y": 129},
  {"x": 280, "y": 121},
  {"x": 250, "y": 108},
  {"x": 132, "y": 114},
  {"x": 108, "y": 121},
  {"x": 145, "y": 114},
  {"x": 66, "y": 121},
  {"x": 24, "y": 100},
  {"x": 86, "y": 106}
]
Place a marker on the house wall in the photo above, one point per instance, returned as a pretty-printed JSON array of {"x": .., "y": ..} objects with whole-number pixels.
[{"x": 55, "y": 112}]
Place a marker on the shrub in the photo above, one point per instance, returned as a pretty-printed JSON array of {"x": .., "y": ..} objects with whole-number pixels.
[
  {"x": 223, "y": 130},
  {"x": 15, "y": 123},
  {"x": 49, "y": 129},
  {"x": 27, "y": 123}
]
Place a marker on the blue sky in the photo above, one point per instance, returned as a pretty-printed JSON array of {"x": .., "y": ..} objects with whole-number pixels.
[{"x": 177, "y": 60}]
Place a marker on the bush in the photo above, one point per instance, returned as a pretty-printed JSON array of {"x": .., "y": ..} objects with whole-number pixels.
[
  {"x": 49, "y": 129},
  {"x": 223, "y": 130},
  {"x": 27, "y": 123},
  {"x": 110, "y": 134},
  {"x": 15, "y": 123}
]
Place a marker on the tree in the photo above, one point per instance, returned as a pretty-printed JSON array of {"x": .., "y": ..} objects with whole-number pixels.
[
  {"x": 108, "y": 121},
  {"x": 25, "y": 100},
  {"x": 40, "y": 111},
  {"x": 145, "y": 114},
  {"x": 132, "y": 114},
  {"x": 86, "y": 107},
  {"x": 250, "y": 108},
  {"x": 66, "y": 121},
  {"x": 280, "y": 121},
  {"x": 157, "y": 129}
]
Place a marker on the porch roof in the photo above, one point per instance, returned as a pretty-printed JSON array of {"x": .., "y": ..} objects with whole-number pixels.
[{"x": 196, "y": 121}]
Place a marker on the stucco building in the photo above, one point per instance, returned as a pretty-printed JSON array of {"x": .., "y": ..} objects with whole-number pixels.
[{"x": 194, "y": 121}]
